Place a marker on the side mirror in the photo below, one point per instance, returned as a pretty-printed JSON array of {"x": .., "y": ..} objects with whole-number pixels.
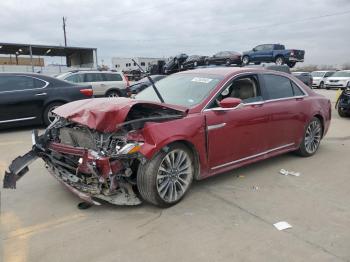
[
  {"x": 254, "y": 49},
  {"x": 229, "y": 103}
]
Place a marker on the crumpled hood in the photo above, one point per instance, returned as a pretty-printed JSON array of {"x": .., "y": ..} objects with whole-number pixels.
[{"x": 104, "y": 114}]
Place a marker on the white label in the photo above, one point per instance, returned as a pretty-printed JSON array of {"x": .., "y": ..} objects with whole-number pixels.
[{"x": 201, "y": 80}]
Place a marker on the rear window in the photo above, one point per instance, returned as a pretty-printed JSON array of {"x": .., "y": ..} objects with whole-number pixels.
[
  {"x": 278, "y": 86},
  {"x": 113, "y": 77}
]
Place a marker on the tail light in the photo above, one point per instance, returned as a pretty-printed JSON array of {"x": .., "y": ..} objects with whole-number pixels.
[
  {"x": 127, "y": 81},
  {"x": 292, "y": 53},
  {"x": 86, "y": 92}
]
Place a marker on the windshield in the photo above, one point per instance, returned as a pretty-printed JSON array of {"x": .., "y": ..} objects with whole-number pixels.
[
  {"x": 341, "y": 74},
  {"x": 318, "y": 74},
  {"x": 182, "y": 89}
]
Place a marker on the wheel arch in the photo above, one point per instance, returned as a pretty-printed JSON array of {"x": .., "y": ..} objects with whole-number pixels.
[
  {"x": 49, "y": 103},
  {"x": 320, "y": 117}
]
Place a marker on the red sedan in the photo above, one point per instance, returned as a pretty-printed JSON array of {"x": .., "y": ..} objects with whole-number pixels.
[{"x": 212, "y": 120}]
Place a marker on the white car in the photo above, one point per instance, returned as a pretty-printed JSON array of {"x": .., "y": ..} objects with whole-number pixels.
[
  {"x": 339, "y": 79},
  {"x": 104, "y": 83},
  {"x": 319, "y": 78}
]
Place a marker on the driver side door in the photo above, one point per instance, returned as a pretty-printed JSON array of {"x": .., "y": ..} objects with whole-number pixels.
[{"x": 236, "y": 135}]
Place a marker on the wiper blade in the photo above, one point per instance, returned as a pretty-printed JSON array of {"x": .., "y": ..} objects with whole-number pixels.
[{"x": 152, "y": 82}]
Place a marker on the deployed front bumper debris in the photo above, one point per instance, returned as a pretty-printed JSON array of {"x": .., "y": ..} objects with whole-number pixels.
[
  {"x": 93, "y": 177},
  {"x": 18, "y": 168}
]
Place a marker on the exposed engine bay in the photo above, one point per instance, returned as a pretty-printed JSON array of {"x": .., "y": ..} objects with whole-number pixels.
[{"x": 92, "y": 164}]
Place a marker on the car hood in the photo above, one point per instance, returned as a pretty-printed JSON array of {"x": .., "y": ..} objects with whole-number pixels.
[{"x": 104, "y": 114}]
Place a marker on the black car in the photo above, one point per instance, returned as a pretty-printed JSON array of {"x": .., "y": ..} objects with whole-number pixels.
[
  {"x": 174, "y": 64},
  {"x": 224, "y": 58},
  {"x": 305, "y": 77},
  {"x": 143, "y": 84},
  {"x": 27, "y": 99},
  {"x": 194, "y": 61},
  {"x": 343, "y": 103}
]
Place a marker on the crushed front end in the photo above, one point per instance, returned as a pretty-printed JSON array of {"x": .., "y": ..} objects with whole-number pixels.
[{"x": 93, "y": 165}]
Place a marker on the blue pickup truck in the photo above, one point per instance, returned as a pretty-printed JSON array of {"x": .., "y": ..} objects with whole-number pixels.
[{"x": 273, "y": 53}]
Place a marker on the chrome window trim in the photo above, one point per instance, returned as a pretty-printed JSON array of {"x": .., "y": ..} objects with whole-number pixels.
[
  {"x": 21, "y": 90},
  {"x": 252, "y": 156},
  {"x": 17, "y": 119}
]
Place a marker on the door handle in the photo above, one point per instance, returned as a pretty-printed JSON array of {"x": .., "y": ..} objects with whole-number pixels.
[
  {"x": 211, "y": 127},
  {"x": 41, "y": 94}
]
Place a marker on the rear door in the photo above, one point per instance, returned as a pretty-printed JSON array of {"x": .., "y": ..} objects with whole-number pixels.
[
  {"x": 285, "y": 102},
  {"x": 21, "y": 98},
  {"x": 266, "y": 53}
]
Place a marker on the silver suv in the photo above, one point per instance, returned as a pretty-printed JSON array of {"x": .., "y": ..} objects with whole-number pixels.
[{"x": 104, "y": 83}]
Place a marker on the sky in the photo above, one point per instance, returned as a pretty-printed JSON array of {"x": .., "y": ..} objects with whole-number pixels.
[{"x": 162, "y": 28}]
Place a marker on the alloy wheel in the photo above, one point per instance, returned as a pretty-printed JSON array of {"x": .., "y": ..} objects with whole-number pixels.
[
  {"x": 313, "y": 136},
  {"x": 113, "y": 94},
  {"x": 279, "y": 61},
  {"x": 50, "y": 115},
  {"x": 174, "y": 175}
]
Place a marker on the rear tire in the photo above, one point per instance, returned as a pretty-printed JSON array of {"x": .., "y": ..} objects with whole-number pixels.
[
  {"x": 164, "y": 180},
  {"x": 112, "y": 93},
  {"x": 312, "y": 138},
  {"x": 48, "y": 116},
  {"x": 245, "y": 60},
  {"x": 291, "y": 64}
]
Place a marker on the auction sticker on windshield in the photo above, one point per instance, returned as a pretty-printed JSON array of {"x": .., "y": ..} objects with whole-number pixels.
[{"x": 201, "y": 80}]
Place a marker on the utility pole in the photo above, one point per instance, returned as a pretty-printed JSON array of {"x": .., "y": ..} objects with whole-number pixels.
[{"x": 64, "y": 30}]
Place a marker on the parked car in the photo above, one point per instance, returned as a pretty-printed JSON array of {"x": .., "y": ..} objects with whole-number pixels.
[
  {"x": 343, "y": 103},
  {"x": 319, "y": 78},
  {"x": 340, "y": 79},
  {"x": 224, "y": 58},
  {"x": 305, "y": 77},
  {"x": 173, "y": 65},
  {"x": 273, "y": 53},
  {"x": 194, "y": 61},
  {"x": 213, "y": 120},
  {"x": 104, "y": 83},
  {"x": 27, "y": 99},
  {"x": 143, "y": 84}
]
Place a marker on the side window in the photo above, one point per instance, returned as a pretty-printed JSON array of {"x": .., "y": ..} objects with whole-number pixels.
[
  {"x": 113, "y": 77},
  {"x": 328, "y": 74},
  {"x": 268, "y": 47},
  {"x": 15, "y": 83},
  {"x": 93, "y": 77},
  {"x": 277, "y": 86},
  {"x": 75, "y": 78},
  {"x": 296, "y": 90},
  {"x": 245, "y": 88},
  {"x": 38, "y": 83},
  {"x": 259, "y": 48},
  {"x": 143, "y": 64}
]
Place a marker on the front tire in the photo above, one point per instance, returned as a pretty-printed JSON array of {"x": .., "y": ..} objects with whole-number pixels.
[
  {"x": 164, "y": 180},
  {"x": 312, "y": 138},
  {"x": 342, "y": 113},
  {"x": 321, "y": 86},
  {"x": 48, "y": 115}
]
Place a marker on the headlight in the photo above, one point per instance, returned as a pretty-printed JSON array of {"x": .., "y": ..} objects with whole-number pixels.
[{"x": 130, "y": 148}]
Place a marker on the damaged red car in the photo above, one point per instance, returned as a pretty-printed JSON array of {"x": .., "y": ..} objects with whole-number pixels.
[{"x": 190, "y": 126}]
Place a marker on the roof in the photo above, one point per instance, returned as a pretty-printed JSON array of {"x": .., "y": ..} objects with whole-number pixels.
[
  {"x": 224, "y": 71},
  {"x": 42, "y": 50}
]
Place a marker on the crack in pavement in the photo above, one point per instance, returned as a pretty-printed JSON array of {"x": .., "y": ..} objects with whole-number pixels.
[
  {"x": 231, "y": 203},
  {"x": 151, "y": 220}
]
